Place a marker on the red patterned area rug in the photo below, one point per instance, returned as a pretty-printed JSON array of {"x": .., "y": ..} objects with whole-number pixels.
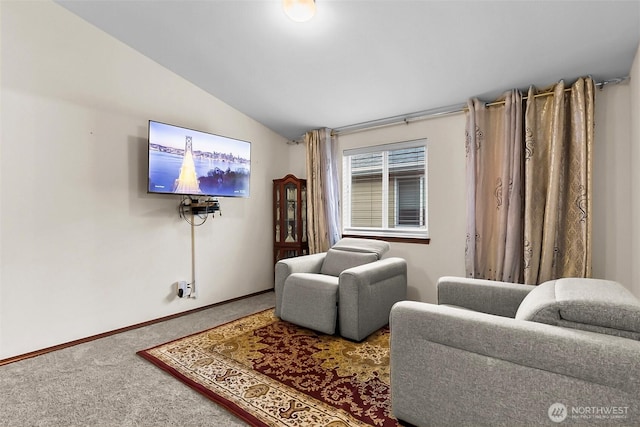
[{"x": 273, "y": 373}]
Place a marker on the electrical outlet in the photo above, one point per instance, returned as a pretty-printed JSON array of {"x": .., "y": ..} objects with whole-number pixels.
[{"x": 184, "y": 290}]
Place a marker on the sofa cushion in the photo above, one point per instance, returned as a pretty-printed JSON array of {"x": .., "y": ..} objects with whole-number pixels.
[
  {"x": 589, "y": 304},
  {"x": 337, "y": 261},
  {"x": 310, "y": 300}
]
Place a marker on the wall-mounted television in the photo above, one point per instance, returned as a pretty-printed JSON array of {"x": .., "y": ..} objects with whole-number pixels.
[{"x": 194, "y": 163}]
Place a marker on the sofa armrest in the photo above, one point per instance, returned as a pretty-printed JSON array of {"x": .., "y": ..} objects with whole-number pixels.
[
  {"x": 486, "y": 296},
  {"x": 376, "y": 272},
  {"x": 592, "y": 357},
  {"x": 367, "y": 293},
  {"x": 285, "y": 267}
]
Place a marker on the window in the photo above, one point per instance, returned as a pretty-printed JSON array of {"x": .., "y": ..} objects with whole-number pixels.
[{"x": 385, "y": 190}]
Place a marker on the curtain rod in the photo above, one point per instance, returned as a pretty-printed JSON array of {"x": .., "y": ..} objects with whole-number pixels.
[
  {"x": 600, "y": 85},
  {"x": 439, "y": 112},
  {"x": 394, "y": 120}
]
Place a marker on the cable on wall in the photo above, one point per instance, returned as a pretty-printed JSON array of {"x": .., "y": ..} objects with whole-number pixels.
[{"x": 190, "y": 209}]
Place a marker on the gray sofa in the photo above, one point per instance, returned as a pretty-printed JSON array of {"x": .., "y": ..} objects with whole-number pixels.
[
  {"x": 348, "y": 289},
  {"x": 496, "y": 353}
]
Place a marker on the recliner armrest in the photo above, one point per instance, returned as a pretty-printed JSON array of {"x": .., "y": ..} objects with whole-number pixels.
[
  {"x": 377, "y": 271},
  {"x": 486, "y": 296},
  {"x": 302, "y": 264}
]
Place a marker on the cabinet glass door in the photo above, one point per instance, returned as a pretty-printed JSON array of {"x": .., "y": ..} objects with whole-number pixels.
[
  {"x": 291, "y": 209},
  {"x": 304, "y": 215},
  {"x": 277, "y": 219}
]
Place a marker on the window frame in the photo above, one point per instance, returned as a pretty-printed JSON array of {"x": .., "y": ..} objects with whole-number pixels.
[{"x": 396, "y": 233}]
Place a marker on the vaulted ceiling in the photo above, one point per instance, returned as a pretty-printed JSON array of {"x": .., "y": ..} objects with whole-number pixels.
[{"x": 357, "y": 61}]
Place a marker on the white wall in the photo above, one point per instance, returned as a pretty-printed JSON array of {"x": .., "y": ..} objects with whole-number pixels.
[
  {"x": 297, "y": 160},
  {"x": 1, "y": 222},
  {"x": 635, "y": 177},
  {"x": 83, "y": 248},
  {"x": 612, "y": 186}
]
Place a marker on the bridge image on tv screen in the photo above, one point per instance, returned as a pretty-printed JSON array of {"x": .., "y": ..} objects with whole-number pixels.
[{"x": 189, "y": 162}]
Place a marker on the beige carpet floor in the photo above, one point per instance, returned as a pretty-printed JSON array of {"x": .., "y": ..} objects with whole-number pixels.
[{"x": 104, "y": 382}]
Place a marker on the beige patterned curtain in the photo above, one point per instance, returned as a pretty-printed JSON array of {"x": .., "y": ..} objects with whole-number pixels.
[
  {"x": 323, "y": 199},
  {"x": 558, "y": 169},
  {"x": 494, "y": 141}
]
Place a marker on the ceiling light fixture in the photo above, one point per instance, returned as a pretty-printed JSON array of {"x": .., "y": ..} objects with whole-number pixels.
[{"x": 299, "y": 10}]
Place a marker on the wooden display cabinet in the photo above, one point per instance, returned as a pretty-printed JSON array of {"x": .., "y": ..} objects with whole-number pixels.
[{"x": 289, "y": 218}]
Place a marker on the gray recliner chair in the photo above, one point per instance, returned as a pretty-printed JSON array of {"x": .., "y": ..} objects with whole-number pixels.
[
  {"x": 497, "y": 353},
  {"x": 349, "y": 289}
]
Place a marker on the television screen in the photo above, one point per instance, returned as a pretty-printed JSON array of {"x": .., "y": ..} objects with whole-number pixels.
[{"x": 190, "y": 162}]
